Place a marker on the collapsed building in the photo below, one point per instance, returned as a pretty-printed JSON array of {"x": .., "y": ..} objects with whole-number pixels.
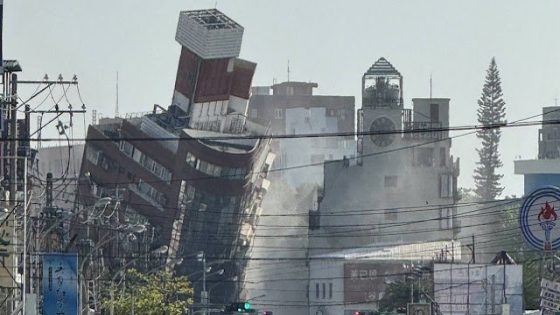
[{"x": 196, "y": 170}]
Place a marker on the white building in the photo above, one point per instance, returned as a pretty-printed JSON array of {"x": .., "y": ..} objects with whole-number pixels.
[
  {"x": 293, "y": 109},
  {"x": 402, "y": 186},
  {"x": 347, "y": 281},
  {"x": 478, "y": 289}
]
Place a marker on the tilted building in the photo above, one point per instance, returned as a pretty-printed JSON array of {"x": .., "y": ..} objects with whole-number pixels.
[{"x": 196, "y": 170}]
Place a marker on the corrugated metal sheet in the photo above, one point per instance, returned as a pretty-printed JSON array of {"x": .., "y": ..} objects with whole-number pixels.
[{"x": 205, "y": 42}]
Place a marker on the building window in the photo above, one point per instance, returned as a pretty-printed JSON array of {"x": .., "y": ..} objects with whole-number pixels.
[
  {"x": 92, "y": 155},
  {"x": 424, "y": 157},
  {"x": 434, "y": 113},
  {"x": 137, "y": 156},
  {"x": 324, "y": 290},
  {"x": 391, "y": 181},
  {"x": 445, "y": 186},
  {"x": 126, "y": 148},
  {"x": 148, "y": 163},
  {"x": 442, "y": 157},
  {"x": 150, "y": 192},
  {"x": 166, "y": 175},
  {"x": 330, "y": 290},
  {"x": 202, "y": 166},
  {"x": 317, "y": 290},
  {"x": 278, "y": 113},
  {"x": 191, "y": 159},
  {"x": 230, "y": 64},
  {"x": 215, "y": 170}
]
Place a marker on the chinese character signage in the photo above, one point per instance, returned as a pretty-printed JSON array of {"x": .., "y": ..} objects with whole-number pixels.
[
  {"x": 365, "y": 282},
  {"x": 550, "y": 295},
  {"x": 60, "y": 284}
]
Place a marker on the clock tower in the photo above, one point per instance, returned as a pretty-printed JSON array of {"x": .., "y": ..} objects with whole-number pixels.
[{"x": 382, "y": 108}]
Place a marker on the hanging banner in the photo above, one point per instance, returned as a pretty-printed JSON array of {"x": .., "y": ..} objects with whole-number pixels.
[{"x": 60, "y": 284}]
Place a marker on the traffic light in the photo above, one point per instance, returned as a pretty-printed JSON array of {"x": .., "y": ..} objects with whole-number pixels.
[{"x": 240, "y": 307}]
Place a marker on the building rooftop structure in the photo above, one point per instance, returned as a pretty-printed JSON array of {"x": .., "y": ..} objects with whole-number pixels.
[
  {"x": 382, "y": 85},
  {"x": 212, "y": 19},
  {"x": 390, "y": 170},
  {"x": 209, "y": 34},
  {"x": 408, "y": 252},
  {"x": 382, "y": 67},
  {"x": 545, "y": 169}
]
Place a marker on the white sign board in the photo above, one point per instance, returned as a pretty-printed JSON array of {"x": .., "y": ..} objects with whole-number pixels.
[
  {"x": 478, "y": 289},
  {"x": 550, "y": 295}
]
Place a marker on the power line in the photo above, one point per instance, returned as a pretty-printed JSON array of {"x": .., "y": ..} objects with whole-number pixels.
[{"x": 310, "y": 135}]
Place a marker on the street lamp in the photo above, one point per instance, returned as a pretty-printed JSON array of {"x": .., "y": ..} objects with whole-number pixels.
[
  {"x": 171, "y": 263},
  {"x": 130, "y": 228},
  {"x": 204, "y": 297},
  {"x": 161, "y": 250}
]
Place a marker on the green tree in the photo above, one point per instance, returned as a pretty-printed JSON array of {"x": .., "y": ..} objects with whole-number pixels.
[
  {"x": 397, "y": 295},
  {"x": 491, "y": 111},
  {"x": 518, "y": 249},
  {"x": 150, "y": 294}
]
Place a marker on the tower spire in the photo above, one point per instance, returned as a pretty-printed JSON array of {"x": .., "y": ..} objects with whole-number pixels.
[
  {"x": 288, "y": 70},
  {"x": 431, "y": 86}
]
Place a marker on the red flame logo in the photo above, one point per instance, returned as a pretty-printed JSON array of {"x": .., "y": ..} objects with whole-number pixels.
[{"x": 547, "y": 212}]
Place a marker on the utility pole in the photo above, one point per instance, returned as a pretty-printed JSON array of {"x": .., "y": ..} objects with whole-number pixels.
[
  {"x": 13, "y": 138},
  {"x": 9, "y": 104},
  {"x": 16, "y": 159},
  {"x": 473, "y": 251},
  {"x": 493, "y": 294}
]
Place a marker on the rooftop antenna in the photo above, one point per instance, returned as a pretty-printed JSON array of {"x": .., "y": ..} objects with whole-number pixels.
[
  {"x": 430, "y": 85},
  {"x": 216, "y": 5},
  {"x": 556, "y": 101},
  {"x": 117, "y": 98},
  {"x": 288, "y": 70}
]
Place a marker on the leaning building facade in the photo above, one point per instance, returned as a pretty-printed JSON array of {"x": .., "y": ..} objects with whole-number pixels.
[{"x": 196, "y": 170}]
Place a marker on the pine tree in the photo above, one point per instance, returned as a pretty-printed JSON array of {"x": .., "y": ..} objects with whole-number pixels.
[{"x": 491, "y": 110}]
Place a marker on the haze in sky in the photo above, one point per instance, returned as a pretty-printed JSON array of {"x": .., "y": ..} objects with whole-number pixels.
[{"x": 329, "y": 42}]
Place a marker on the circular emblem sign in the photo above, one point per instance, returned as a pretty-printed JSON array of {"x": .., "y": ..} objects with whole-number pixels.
[{"x": 538, "y": 218}]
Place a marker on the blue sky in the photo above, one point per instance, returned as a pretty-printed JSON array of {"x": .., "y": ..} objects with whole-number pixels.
[{"x": 328, "y": 42}]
